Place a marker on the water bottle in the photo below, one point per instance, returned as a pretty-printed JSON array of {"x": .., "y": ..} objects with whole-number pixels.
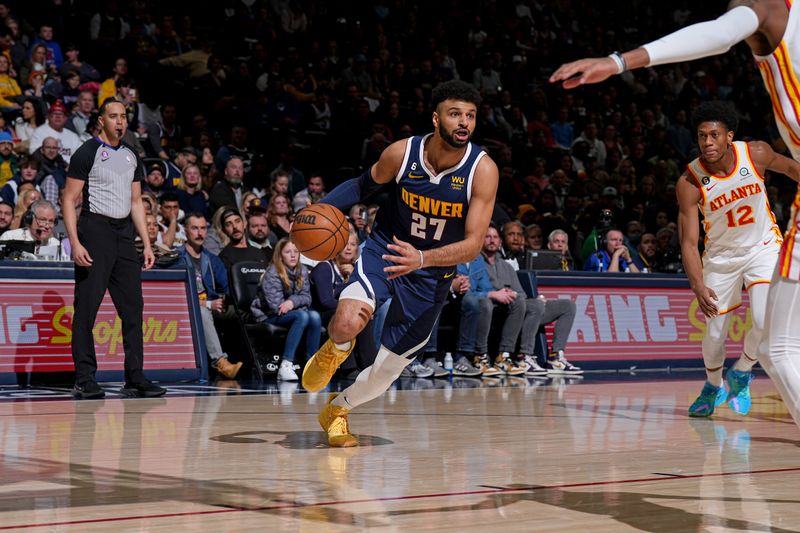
[{"x": 448, "y": 362}]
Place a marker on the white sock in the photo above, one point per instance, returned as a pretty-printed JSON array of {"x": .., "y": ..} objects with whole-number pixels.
[
  {"x": 745, "y": 363},
  {"x": 714, "y": 347},
  {"x": 373, "y": 380},
  {"x": 343, "y": 347}
]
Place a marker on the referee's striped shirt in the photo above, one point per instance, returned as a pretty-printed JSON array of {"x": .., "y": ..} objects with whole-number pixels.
[{"x": 108, "y": 173}]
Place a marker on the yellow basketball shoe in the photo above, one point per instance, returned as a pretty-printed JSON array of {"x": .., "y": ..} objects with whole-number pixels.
[
  {"x": 333, "y": 420},
  {"x": 320, "y": 368}
]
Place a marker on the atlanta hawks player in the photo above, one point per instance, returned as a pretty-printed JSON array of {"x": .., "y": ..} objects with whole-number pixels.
[{"x": 741, "y": 247}]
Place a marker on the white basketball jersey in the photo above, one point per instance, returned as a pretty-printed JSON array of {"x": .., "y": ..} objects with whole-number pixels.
[{"x": 735, "y": 207}]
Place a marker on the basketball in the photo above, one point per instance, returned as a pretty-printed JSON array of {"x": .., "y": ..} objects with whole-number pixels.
[{"x": 320, "y": 231}]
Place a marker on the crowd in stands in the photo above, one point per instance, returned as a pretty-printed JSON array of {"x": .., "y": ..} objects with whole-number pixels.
[{"x": 245, "y": 112}]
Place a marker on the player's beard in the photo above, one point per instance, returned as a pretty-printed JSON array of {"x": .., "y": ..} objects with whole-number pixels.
[{"x": 449, "y": 139}]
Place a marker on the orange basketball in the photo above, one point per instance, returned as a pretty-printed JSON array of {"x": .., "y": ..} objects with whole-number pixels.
[{"x": 320, "y": 231}]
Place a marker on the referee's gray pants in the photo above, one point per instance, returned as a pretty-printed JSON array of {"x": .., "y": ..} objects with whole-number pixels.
[{"x": 116, "y": 267}]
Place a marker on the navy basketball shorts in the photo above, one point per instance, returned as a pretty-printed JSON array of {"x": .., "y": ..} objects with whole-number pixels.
[{"x": 417, "y": 298}]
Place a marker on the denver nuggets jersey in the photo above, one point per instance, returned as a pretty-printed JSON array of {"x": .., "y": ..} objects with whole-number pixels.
[
  {"x": 428, "y": 210},
  {"x": 735, "y": 207}
]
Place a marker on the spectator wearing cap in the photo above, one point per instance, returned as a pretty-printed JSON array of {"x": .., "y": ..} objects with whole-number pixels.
[
  {"x": 191, "y": 196},
  {"x": 28, "y": 173},
  {"x": 238, "y": 249},
  {"x": 41, "y": 227},
  {"x": 72, "y": 63},
  {"x": 78, "y": 122},
  {"x": 6, "y": 216},
  {"x": 9, "y": 88},
  {"x": 609, "y": 199},
  {"x": 9, "y": 163},
  {"x": 186, "y": 156},
  {"x": 68, "y": 141},
  {"x": 154, "y": 180}
]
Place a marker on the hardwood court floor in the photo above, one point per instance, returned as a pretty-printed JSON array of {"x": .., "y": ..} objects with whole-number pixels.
[{"x": 593, "y": 455}]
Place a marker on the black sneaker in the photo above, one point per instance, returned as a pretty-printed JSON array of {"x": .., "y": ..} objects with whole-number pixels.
[
  {"x": 88, "y": 390},
  {"x": 142, "y": 389}
]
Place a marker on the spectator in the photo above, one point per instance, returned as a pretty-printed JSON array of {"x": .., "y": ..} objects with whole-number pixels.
[
  {"x": 647, "y": 252},
  {"x": 558, "y": 240},
  {"x": 56, "y": 120},
  {"x": 597, "y": 148},
  {"x": 211, "y": 281},
  {"x": 228, "y": 191},
  {"x": 503, "y": 279},
  {"x": 238, "y": 248},
  {"x": 9, "y": 88},
  {"x": 41, "y": 227},
  {"x": 36, "y": 62},
  {"x": 31, "y": 118},
  {"x": 533, "y": 237},
  {"x": 28, "y": 173},
  {"x": 279, "y": 215},
  {"x": 156, "y": 238},
  {"x": 9, "y": 163},
  {"x": 27, "y": 195},
  {"x": 258, "y": 234},
  {"x": 284, "y": 299},
  {"x": 191, "y": 196},
  {"x": 109, "y": 87},
  {"x": 6, "y": 216},
  {"x": 174, "y": 232},
  {"x": 154, "y": 180},
  {"x": 613, "y": 255},
  {"x": 311, "y": 194},
  {"x": 237, "y": 147},
  {"x": 86, "y": 72},
  {"x": 54, "y": 56},
  {"x": 78, "y": 122},
  {"x": 513, "y": 250}
]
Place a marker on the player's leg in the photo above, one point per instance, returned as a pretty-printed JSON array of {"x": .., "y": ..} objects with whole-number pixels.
[
  {"x": 740, "y": 375},
  {"x": 367, "y": 288},
  {"x": 724, "y": 277},
  {"x": 781, "y": 354},
  {"x": 416, "y": 302},
  {"x": 757, "y": 276}
]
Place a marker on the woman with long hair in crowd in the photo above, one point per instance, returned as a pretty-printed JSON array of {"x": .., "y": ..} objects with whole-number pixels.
[
  {"x": 191, "y": 196},
  {"x": 32, "y": 117},
  {"x": 284, "y": 299},
  {"x": 279, "y": 215},
  {"x": 25, "y": 198}
]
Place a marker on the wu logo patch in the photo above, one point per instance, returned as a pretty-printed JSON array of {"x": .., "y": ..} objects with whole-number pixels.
[{"x": 457, "y": 182}]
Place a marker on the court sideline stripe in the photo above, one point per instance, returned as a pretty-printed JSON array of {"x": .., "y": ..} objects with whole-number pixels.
[{"x": 298, "y": 505}]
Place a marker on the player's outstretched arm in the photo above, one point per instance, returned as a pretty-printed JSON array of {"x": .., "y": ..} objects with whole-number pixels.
[
  {"x": 704, "y": 39},
  {"x": 689, "y": 231},
  {"x": 407, "y": 259},
  {"x": 764, "y": 157},
  {"x": 354, "y": 190}
]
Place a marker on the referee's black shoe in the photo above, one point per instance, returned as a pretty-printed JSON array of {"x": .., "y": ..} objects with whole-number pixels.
[
  {"x": 88, "y": 390},
  {"x": 142, "y": 389}
]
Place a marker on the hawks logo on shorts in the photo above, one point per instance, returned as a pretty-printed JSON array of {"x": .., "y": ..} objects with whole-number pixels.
[{"x": 735, "y": 207}]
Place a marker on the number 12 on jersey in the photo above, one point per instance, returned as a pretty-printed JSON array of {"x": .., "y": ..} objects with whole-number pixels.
[
  {"x": 421, "y": 223},
  {"x": 745, "y": 216}
]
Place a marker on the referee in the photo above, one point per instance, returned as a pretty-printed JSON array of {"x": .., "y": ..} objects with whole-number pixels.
[{"x": 108, "y": 173}]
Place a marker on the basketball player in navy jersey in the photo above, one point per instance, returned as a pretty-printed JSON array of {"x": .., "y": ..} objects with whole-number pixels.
[
  {"x": 444, "y": 193},
  {"x": 771, "y": 28}
]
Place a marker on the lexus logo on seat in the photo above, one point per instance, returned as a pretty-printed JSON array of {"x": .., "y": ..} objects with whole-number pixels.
[{"x": 253, "y": 270}]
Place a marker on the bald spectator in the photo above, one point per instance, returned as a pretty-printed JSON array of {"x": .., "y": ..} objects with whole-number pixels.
[
  {"x": 614, "y": 256},
  {"x": 228, "y": 191}
]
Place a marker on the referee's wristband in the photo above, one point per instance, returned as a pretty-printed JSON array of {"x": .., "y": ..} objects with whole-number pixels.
[{"x": 617, "y": 58}]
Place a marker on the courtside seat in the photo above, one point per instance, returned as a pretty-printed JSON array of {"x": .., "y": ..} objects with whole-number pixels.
[{"x": 262, "y": 338}]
